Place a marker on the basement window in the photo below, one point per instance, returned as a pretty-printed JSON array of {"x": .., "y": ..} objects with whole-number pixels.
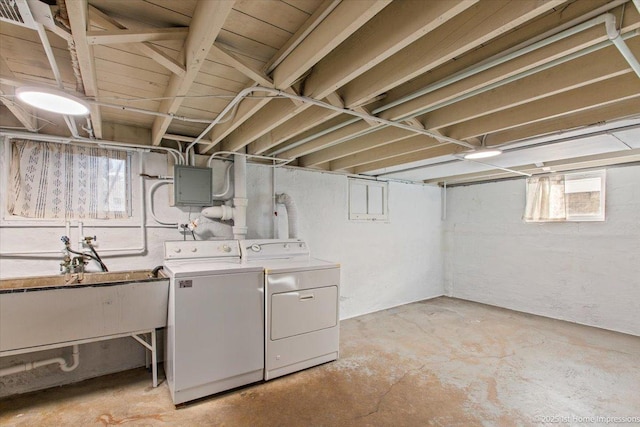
[
  {"x": 368, "y": 200},
  {"x": 66, "y": 181},
  {"x": 566, "y": 197}
]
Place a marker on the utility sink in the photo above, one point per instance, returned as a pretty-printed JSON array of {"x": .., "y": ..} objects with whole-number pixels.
[
  {"x": 44, "y": 310},
  {"x": 77, "y": 279}
]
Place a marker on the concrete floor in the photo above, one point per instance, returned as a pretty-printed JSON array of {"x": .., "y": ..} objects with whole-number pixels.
[{"x": 438, "y": 362}]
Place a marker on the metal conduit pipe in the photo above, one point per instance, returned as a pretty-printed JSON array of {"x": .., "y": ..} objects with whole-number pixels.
[
  {"x": 150, "y": 194},
  {"x": 607, "y": 19},
  {"x": 522, "y": 75},
  {"x": 305, "y": 99},
  {"x": 614, "y": 35},
  {"x": 64, "y": 366},
  {"x": 102, "y": 143}
]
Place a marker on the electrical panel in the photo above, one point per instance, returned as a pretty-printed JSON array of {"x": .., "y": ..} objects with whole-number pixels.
[{"x": 192, "y": 186}]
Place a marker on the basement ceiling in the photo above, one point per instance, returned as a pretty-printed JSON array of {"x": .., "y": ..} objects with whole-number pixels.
[{"x": 396, "y": 89}]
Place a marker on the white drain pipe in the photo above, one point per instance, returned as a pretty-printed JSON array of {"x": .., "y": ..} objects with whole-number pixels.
[
  {"x": 292, "y": 213},
  {"x": 240, "y": 200},
  {"x": 64, "y": 366}
]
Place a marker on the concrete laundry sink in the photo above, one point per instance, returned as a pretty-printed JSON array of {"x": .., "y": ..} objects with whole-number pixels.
[
  {"x": 44, "y": 310},
  {"x": 77, "y": 279}
]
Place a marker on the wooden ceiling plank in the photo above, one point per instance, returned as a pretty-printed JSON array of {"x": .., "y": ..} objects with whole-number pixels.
[
  {"x": 208, "y": 19},
  {"x": 245, "y": 110},
  {"x": 279, "y": 111},
  {"x": 78, "y": 20},
  {"x": 595, "y": 95},
  {"x": 513, "y": 67},
  {"x": 392, "y": 29},
  {"x": 239, "y": 64},
  {"x": 304, "y": 121},
  {"x": 309, "y": 25},
  {"x": 467, "y": 31},
  {"x": 428, "y": 153},
  {"x": 24, "y": 113},
  {"x": 343, "y": 21},
  {"x": 136, "y": 36},
  {"x": 609, "y": 112},
  {"x": 366, "y": 142},
  {"x": 324, "y": 140},
  {"x": 100, "y": 18},
  {"x": 406, "y": 146},
  {"x": 601, "y": 65}
]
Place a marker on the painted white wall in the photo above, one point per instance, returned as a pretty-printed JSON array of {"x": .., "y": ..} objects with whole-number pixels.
[
  {"x": 383, "y": 264},
  {"x": 586, "y": 272}
]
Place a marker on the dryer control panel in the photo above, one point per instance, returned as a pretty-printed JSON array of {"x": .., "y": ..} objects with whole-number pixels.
[
  {"x": 193, "y": 249},
  {"x": 273, "y": 249}
]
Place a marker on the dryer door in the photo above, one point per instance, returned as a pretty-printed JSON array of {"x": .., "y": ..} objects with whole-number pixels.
[{"x": 303, "y": 311}]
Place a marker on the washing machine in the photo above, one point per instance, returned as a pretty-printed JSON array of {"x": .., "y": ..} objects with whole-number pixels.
[
  {"x": 215, "y": 325},
  {"x": 302, "y": 327}
]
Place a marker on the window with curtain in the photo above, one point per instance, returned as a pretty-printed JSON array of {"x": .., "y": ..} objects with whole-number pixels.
[
  {"x": 65, "y": 181},
  {"x": 568, "y": 197}
]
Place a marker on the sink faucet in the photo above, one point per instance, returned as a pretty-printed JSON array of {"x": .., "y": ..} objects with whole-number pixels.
[{"x": 72, "y": 265}]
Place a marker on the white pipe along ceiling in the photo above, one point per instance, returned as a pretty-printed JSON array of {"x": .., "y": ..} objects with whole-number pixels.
[{"x": 399, "y": 84}]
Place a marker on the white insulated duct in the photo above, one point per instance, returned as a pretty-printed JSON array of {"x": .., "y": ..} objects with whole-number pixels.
[{"x": 292, "y": 213}]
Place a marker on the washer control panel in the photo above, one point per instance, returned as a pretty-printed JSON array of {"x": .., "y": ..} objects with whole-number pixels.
[{"x": 187, "y": 249}]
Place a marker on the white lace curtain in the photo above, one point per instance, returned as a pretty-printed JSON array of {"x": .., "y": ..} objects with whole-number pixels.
[
  {"x": 51, "y": 180},
  {"x": 545, "y": 199}
]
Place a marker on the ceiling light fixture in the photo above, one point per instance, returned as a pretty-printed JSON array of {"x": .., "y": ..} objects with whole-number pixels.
[
  {"x": 55, "y": 101},
  {"x": 482, "y": 153}
]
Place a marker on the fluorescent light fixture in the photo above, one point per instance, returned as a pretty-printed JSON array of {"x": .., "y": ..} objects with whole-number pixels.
[
  {"x": 55, "y": 101},
  {"x": 482, "y": 153}
]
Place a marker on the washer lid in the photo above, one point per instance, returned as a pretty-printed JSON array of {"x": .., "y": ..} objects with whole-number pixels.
[{"x": 207, "y": 267}]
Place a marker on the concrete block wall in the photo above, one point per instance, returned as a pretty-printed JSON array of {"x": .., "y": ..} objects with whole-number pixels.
[{"x": 583, "y": 272}]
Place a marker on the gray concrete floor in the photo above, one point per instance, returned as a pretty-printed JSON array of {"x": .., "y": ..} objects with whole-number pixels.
[{"x": 440, "y": 362}]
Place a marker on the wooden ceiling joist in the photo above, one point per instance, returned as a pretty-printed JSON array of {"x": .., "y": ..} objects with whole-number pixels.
[
  {"x": 103, "y": 20},
  {"x": 135, "y": 36},
  {"x": 207, "y": 21},
  {"x": 343, "y": 21},
  {"x": 392, "y": 29},
  {"x": 595, "y": 95},
  {"x": 78, "y": 20},
  {"x": 477, "y": 25},
  {"x": 405, "y": 146}
]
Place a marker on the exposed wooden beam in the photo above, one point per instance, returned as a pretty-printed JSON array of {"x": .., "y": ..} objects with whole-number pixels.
[
  {"x": 324, "y": 141},
  {"x": 22, "y": 112},
  {"x": 309, "y": 25},
  {"x": 403, "y": 147},
  {"x": 343, "y": 21},
  {"x": 77, "y": 11},
  {"x": 601, "y": 65},
  {"x": 595, "y": 95},
  {"x": 362, "y": 143},
  {"x": 401, "y": 159},
  {"x": 103, "y": 20},
  {"x": 206, "y": 23},
  {"x": 392, "y": 29},
  {"x": 513, "y": 67},
  {"x": 593, "y": 161},
  {"x": 233, "y": 60},
  {"x": 468, "y": 30},
  {"x": 136, "y": 36},
  {"x": 618, "y": 110}
]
